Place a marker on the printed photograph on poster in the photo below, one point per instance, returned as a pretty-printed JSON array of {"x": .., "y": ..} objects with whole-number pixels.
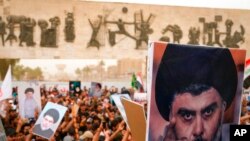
[
  {"x": 29, "y": 98},
  {"x": 74, "y": 88},
  {"x": 95, "y": 89},
  {"x": 49, "y": 120},
  {"x": 2, "y": 132},
  {"x": 193, "y": 88}
]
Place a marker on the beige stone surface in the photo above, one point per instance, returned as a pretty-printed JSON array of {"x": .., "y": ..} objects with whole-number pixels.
[{"x": 185, "y": 17}]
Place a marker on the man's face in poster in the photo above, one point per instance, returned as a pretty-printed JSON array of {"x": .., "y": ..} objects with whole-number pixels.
[
  {"x": 47, "y": 122},
  {"x": 29, "y": 95},
  {"x": 197, "y": 117}
]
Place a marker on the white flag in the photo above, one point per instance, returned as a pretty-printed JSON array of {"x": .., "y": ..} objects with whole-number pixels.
[{"x": 6, "y": 88}]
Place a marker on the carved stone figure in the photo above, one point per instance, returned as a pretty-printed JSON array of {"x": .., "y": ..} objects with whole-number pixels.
[
  {"x": 176, "y": 30},
  {"x": 210, "y": 27},
  {"x": 144, "y": 29},
  {"x": 43, "y": 24},
  {"x": 194, "y": 36},
  {"x": 121, "y": 30},
  {"x": 2, "y": 30},
  {"x": 22, "y": 35},
  {"x": 29, "y": 27},
  {"x": 95, "y": 29},
  {"x": 49, "y": 35},
  {"x": 11, "y": 36},
  {"x": 217, "y": 38},
  {"x": 15, "y": 19},
  {"x": 233, "y": 40},
  {"x": 69, "y": 29}
]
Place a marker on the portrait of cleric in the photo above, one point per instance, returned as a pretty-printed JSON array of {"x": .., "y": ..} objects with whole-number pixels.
[
  {"x": 29, "y": 101},
  {"x": 49, "y": 120},
  {"x": 194, "y": 87}
]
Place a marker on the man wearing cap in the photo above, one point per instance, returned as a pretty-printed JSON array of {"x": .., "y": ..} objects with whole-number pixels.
[
  {"x": 193, "y": 88},
  {"x": 30, "y": 104},
  {"x": 50, "y": 117},
  {"x": 87, "y": 136}
]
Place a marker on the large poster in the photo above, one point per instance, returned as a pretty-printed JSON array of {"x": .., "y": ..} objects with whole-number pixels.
[
  {"x": 195, "y": 92},
  {"x": 29, "y": 98}
]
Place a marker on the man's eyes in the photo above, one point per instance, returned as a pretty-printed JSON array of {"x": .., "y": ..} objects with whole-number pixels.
[
  {"x": 208, "y": 112},
  {"x": 187, "y": 116}
]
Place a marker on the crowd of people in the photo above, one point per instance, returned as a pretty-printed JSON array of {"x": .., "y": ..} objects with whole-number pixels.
[
  {"x": 96, "y": 119},
  {"x": 245, "y": 115}
]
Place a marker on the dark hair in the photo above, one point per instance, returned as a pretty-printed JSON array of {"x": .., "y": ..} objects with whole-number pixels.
[
  {"x": 99, "y": 85},
  {"x": 71, "y": 131},
  {"x": 29, "y": 90},
  {"x": 194, "y": 89},
  {"x": 53, "y": 113}
]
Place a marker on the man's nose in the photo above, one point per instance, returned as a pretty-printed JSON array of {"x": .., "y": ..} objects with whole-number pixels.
[{"x": 198, "y": 127}]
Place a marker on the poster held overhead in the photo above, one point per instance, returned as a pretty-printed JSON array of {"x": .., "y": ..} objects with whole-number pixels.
[
  {"x": 74, "y": 88},
  {"x": 95, "y": 89},
  {"x": 193, "y": 82},
  {"x": 29, "y": 98},
  {"x": 49, "y": 120}
]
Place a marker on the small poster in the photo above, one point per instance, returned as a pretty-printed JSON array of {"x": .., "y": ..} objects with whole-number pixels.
[
  {"x": 74, "y": 88},
  {"x": 49, "y": 120},
  {"x": 29, "y": 98},
  {"x": 95, "y": 89}
]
